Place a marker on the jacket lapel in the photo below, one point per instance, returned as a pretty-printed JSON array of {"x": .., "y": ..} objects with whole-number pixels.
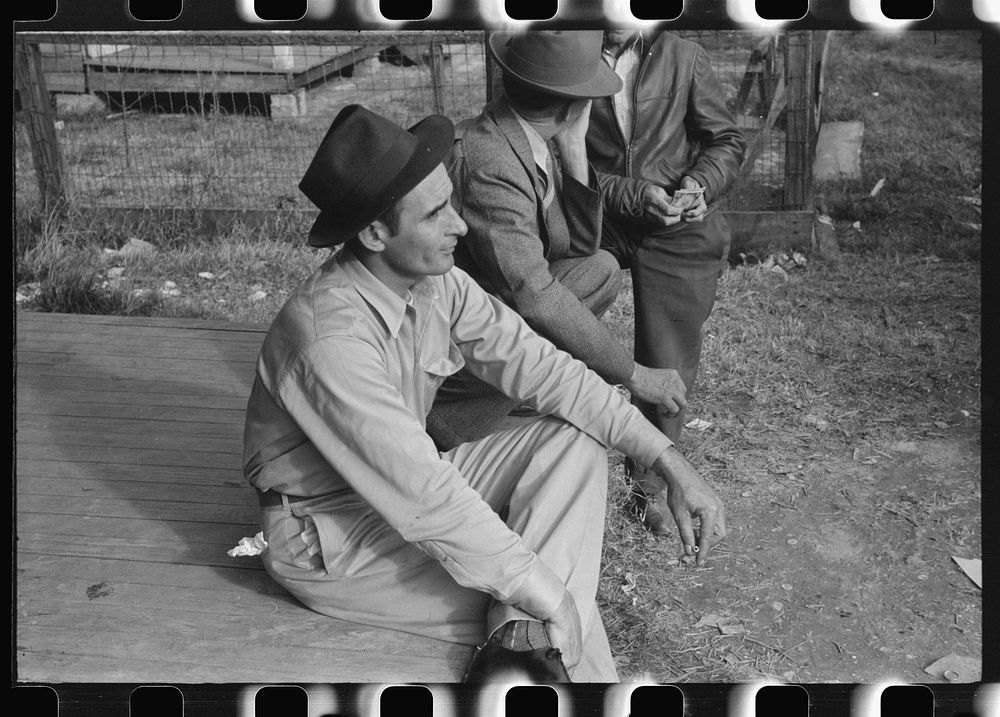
[
  {"x": 554, "y": 228},
  {"x": 510, "y": 128}
]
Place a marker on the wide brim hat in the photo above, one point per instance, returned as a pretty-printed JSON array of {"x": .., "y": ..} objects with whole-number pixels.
[
  {"x": 565, "y": 63},
  {"x": 364, "y": 165}
]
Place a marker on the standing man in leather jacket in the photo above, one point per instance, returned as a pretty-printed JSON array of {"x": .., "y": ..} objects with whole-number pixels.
[{"x": 667, "y": 129}]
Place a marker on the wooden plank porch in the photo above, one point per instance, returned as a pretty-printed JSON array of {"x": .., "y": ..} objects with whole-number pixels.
[{"x": 128, "y": 495}]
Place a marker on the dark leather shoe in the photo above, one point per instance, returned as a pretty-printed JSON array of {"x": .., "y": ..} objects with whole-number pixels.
[
  {"x": 649, "y": 500},
  {"x": 495, "y": 662}
]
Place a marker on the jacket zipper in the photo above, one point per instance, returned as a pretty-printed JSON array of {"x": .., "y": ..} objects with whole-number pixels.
[
  {"x": 618, "y": 129},
  {"x": 643, "y": 61}
]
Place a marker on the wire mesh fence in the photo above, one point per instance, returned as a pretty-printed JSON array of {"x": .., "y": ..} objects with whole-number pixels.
[
  {"x": 756, "y": 73},
  {"x": 198, "y": 120}
]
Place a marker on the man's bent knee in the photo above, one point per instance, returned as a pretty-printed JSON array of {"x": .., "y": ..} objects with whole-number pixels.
[{"x": 606, "y": 267}]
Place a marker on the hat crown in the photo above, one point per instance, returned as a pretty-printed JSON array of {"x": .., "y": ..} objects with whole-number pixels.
[
  {"x": 359, "y": 147},
  {"x": 555, "y": 57}
]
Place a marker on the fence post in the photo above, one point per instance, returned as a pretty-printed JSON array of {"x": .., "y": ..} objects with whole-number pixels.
[
  {"x": 823, "y": 40},
  {"x": 494, "y": 75},
  {"x": 437, "y": 76},
  {"x": 40, "y": 120},
  {"x": 799, "y": 122}
]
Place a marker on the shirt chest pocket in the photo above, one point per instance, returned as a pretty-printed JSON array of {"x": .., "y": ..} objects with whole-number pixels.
[{"x": 438, "y": 366}]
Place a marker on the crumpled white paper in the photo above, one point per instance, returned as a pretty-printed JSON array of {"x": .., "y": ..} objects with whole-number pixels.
[
  {"x": 698, "y": 424},
  {"x": 248, "y": 547},
  {"x": 973, "y": 567}
]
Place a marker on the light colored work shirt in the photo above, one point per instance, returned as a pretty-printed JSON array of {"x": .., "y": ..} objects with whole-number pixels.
[
  {"x": 626, "y": 66},
  {"x": 345, "y": 379}
]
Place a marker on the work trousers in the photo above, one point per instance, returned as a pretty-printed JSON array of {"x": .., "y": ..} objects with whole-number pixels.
[
  {"x": 675, "y": 273},
  {"x": 551, "y": 477},
  {"x": 465, "y": 408}
]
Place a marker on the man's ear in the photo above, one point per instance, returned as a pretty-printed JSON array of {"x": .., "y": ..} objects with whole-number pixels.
[{"x": 373, "y": 236}]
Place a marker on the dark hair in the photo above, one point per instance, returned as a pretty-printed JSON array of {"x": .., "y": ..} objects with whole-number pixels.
[
  {"x": 390, "y": 217},
  {"x": 531, "y": 99}
]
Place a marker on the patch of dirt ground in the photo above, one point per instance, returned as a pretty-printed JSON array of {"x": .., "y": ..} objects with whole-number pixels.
[{"x": 839, "y": 570}]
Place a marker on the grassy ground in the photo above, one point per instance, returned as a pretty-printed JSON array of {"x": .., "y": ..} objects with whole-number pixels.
[
  {"x": 843, "y": 397},
  {"x": 920, "y": 97}
]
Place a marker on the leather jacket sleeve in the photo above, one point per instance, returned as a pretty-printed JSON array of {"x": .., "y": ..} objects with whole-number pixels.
[
  {"x": 623, "y": 196},
  {"x": 711, "y": 124}
]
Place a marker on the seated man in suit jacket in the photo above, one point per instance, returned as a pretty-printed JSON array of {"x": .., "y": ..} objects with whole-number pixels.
[{"x": 533, "y": 208}]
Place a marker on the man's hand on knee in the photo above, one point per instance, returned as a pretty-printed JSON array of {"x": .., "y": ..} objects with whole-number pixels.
[
  {"x": 564, "y": 631},
  {"x": 662, "y": 387},
  {"x": 689, "y": 496}
]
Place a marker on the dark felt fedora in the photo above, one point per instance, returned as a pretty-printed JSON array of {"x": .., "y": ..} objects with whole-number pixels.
[
  {"x": 364, "y": 165},
  {"x": 566, "y": 63}
]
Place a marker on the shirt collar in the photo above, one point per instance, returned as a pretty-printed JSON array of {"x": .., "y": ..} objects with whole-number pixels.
[
  {"x": 539, "y": 150},
  {"x": 390, "y": 307},
  {"x": 631, "y": 46}
]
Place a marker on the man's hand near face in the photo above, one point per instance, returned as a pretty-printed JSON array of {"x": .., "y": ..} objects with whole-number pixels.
[{"x": 571, "y": 140}]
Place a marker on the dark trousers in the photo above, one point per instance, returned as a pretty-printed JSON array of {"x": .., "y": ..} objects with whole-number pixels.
[
  {"x": 675, "y": 273},
  {"x": 466, "y": 409}
]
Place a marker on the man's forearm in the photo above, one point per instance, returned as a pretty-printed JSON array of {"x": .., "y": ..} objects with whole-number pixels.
[
  {"x": 574, "y": 162},
  {"x": 671, "y": 463}
]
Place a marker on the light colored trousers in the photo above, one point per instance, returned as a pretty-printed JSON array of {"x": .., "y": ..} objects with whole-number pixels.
[{"x": 554, "y": 479}]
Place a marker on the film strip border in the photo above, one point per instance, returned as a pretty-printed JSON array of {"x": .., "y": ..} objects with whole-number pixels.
[
  {"x": 339, "y": 700},
  {"x": 765, "y": 700},
  {"x": 111, "y": 15}
]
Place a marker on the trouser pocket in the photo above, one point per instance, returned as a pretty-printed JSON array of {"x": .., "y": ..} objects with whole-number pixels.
[{"x": 294, "y": 540}]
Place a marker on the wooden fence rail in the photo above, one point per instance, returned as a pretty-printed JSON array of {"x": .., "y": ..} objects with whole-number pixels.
[{"x": 224, "y": 123}]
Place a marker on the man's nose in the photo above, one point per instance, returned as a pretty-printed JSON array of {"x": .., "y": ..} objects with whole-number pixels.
[{"x": 460, "y": 227}]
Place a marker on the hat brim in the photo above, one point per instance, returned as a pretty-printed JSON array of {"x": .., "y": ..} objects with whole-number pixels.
[
  {"x": 435, "y": 135},
  {"x": 604, "y": 83}
]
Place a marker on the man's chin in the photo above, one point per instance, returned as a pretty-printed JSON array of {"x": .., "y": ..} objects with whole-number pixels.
[{"x": 444, "y": 266}]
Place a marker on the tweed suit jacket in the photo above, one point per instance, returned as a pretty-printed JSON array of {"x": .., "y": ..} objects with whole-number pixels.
[{"x": 513, "y": 239}]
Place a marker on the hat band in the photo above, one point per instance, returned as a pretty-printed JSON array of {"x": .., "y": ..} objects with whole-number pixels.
[{"x": 532, "y": 71}]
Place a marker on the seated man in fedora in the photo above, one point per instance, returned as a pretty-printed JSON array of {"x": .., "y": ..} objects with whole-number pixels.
[
  {"x": 533, "y": 206},
  {"x": 495, "y": 543}
]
